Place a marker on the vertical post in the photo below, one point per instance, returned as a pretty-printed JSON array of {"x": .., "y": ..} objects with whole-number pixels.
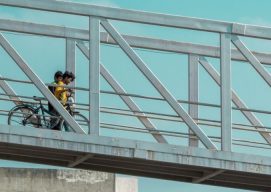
[
  {"x": 39, "y": 84},
  {"x": 171, "y": 100},
  {"x": 70, "y": 58},
  {"x": 94, "y": 72},
  {"x": 226, "y": 97},
  {"x": 193, "y": 94}
]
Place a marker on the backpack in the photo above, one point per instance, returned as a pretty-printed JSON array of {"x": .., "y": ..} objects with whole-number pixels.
[{"x": 52, "y": 89}]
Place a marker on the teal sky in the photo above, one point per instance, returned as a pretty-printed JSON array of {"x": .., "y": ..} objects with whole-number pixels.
[{"x": 170, "y": 68}]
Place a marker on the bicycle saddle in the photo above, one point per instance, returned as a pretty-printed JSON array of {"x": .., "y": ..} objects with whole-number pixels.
[{"x": 37, "y": 98}]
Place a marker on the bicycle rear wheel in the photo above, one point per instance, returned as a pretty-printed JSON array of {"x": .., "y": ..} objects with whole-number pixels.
[
  {"x": 50, "y": 120},
  {"x": 24, "y": 116},
  {"x": 80, "y": 119}
]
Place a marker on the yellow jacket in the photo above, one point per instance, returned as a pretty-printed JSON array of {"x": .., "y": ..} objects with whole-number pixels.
[{"x": 61, "y": 93}]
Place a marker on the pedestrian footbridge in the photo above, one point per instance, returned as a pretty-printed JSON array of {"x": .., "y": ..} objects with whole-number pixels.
[{"x": 200, "y": 125}]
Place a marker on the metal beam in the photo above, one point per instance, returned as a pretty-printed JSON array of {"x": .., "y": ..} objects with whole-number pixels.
[
  {"x": 208, "y": 176},
  {"x": 9, "y": 91},
  {"x": 236, "y": 100},
  {"x": 252, "y": 59},
  {"x": 158, "y": 85},
  {"x": 71, "y": 60},
  {"x": 134, "y": 41},
  {"x": 94, "y": 75},
  {"x": 39, "y": 84},
  {"x": 193, "y": 75},
  {"x": 70, "y": 57},
  {"x": 155, "y": 153},
  {"x": 80, "y": 160},
  {"x": 225, "y": 92},
  {"x": 121, "y": 14},
  {"x": 127, "y": 100},
  {"x": 142, "y": 17}
]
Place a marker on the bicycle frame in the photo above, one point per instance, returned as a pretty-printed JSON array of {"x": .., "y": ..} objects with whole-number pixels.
[{"x": 43, "y": 111}]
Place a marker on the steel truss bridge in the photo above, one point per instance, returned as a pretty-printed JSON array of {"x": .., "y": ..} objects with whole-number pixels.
[{"x": 204, "y": 159}]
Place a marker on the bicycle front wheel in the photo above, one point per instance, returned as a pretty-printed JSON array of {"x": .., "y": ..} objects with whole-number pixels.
[
  {"x": 23, "y": 116},
  {"x": 80, "y": 119}
]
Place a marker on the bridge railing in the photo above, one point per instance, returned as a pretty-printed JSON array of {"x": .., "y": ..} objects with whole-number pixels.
[{"x": 101, "y": 17}]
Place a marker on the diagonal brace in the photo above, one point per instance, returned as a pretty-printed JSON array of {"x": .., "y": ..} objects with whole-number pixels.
[
  {"x": 80, "y": 160},
  {"x": 208, "y": 176},
  {"x": 39, "y": 84},
  {"x": 127, "y": 100},
  {"x": 8, "y": 90},
  {"x": 158, "y": 85},
  {"x": 252, "y": 59},
  {"x": 236, "y": 99}
]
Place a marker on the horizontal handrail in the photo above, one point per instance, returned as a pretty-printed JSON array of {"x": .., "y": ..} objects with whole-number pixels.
[
  {"x": 22, "y": 27},
  {"x": 142, "y": 17}
]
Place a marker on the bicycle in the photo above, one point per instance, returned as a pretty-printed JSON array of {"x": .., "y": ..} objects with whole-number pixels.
[
  {"x": 39, "y": 117},
  {"x": 78, "y": 117}
]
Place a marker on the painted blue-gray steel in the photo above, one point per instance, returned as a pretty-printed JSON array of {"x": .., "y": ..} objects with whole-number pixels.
[
  {"x": 134, "y": 41},
  {"x": 143, "y": 17},
  {"x": 193, "y": 71},
  {"x": 127, "y": 100},
  {"x": 71, "y": 57},
  {"x": 94, "y": 75},
  {"x": 208, "y": 176},
  {"x": 158, "y": 85},
  {"x": 40, "y": 85},
  {"x": 118, "y": 147},
  {"x": 85, "y": 151},
  {"x": 80, "y": 160},
  {"x": 251, "y": 117},
  {"x": 252, "y": 59},
  {"x": 8, "y": 90},
  {"x": 225, "y": 92}
]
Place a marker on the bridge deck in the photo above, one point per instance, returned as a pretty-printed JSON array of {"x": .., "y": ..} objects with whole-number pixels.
[{"x": 136, "y": 158}]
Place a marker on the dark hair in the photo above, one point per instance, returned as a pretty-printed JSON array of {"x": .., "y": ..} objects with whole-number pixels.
[
  {"x": 58, "y": 74},
  {"x": 69, "y": 75}
]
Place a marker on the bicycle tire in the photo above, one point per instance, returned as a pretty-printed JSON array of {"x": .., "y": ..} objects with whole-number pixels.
[
  {"x": 50, "y": 119},
  {"x": 80, "y": 119},
  {"x": 26, "y": 116}
]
